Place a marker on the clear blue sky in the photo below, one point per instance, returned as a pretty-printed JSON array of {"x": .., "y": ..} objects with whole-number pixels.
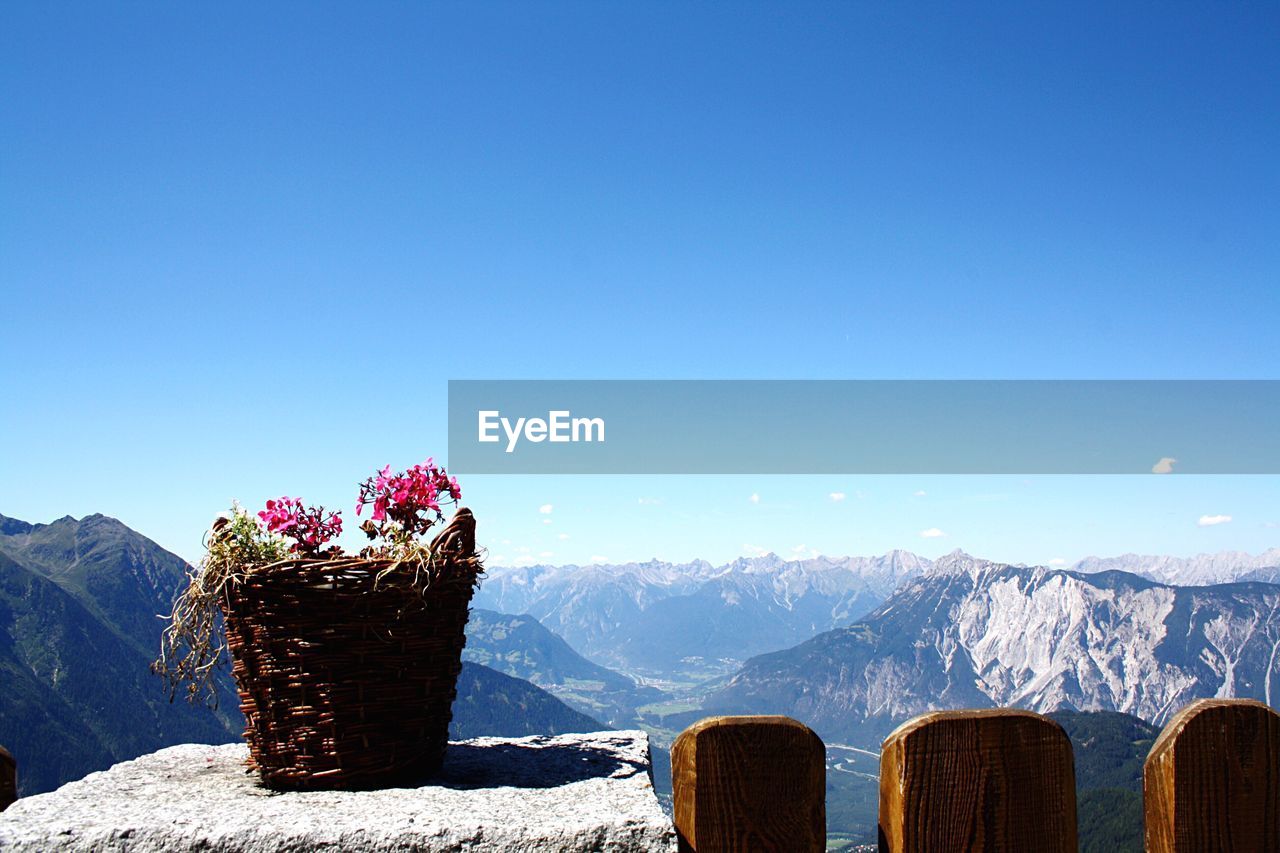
[{"x": 242, "y": 250}]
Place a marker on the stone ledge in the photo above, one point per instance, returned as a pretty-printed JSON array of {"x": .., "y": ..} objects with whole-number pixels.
[{"x": 577, "y": 792}]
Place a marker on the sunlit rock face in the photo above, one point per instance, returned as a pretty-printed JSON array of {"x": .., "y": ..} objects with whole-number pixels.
[
  {"x": 970, "y": 633},
  {"x": 581, "y": 792}
]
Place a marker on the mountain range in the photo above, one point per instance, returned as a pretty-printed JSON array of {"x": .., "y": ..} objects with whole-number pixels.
[
  {"x": 660, "y": 617},
  {"x": 971, "y": 633},
  {"x": 1200, "y": 570}
]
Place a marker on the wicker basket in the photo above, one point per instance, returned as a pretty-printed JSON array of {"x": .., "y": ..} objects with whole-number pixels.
[{"x": 347, "y": 668}]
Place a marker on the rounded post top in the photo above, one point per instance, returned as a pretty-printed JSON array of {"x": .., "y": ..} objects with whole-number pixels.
[
  {"x": 1200, "y": 711},
  {"x": 748, "y": 720},
  {"x": 1012, "y": 715}
]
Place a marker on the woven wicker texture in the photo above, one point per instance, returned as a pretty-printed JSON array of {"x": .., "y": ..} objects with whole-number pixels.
[{"x": 347, "y": 668}]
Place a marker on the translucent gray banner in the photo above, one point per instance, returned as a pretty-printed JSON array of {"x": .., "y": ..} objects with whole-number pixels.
[{"x": 864, "y": 427}]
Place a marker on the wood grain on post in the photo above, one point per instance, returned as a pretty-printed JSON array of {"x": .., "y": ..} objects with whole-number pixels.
[
  {"x": 8, "y": 779},
  {"x": 749, "y": 784},
  {"x": 1212, "y": 779},
  {"x": 996, "y": 779}
]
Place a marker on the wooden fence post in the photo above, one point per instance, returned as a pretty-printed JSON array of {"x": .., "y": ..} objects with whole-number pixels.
[
  {"x": 749, "y": 784},
  {"x": 1212, "y": 779},
  {"x": 8, "y": 779},
  {"x": 997, "y": 779}
]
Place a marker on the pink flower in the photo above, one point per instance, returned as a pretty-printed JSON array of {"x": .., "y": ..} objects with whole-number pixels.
[
  {"x": 409, "y": 500},
  {"x": 281, "y": 514},
  {"x": 307, "y": 526}
]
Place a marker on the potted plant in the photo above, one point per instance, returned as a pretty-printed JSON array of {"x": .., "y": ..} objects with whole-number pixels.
[{"x": 346, "y": 664}]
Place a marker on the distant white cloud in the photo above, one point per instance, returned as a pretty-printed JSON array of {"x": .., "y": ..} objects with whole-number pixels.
[
  {"x": 650, "y": 501},
  {"x": 755, "y": 498},
  {"x": 545, "y": 509},
  {"x": 562, "y": 536},
  {"x": 804, "y": 552},
  {"x": 749, "y": 550},
  {"x": 1211, "y": 520},
  {"x": 544, "y": 554},
  {"x": 1164, "y": 466},
  {"x": 919, "y": 493},
  {"x": 546, "y": 521},
  {"x": 932, "y": 533},
  {"x": 836, "y": 497},
  {"x": 596, "y": 558},
  {"x": 524, "y": 560},
  {"x": 1057, "y": 561}
]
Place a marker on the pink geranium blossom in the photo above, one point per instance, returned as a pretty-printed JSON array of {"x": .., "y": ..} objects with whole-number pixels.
[
  {"x": 407, "y": 504},
  {"x": 308, "y": 527}
]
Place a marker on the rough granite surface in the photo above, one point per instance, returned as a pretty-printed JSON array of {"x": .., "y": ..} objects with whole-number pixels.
[{"x": 566, "y": 793}]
